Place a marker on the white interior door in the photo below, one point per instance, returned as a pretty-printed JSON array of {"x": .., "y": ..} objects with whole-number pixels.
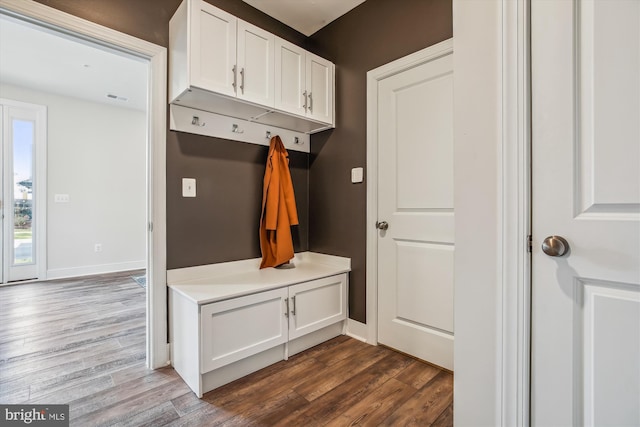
[
  {"x": 415, "y": 201},
  {"x": 23, "y": 191},
  {"x": 586, "y": 188}
]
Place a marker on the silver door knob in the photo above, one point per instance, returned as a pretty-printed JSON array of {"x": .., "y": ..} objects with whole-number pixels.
[
  {"x": 382, "y": 225},
  {"x": 555, "y": 246}
]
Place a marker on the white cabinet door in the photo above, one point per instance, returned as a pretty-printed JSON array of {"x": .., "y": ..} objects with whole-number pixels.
[
  {"x": 316, "y": 304},
  {"x": 241, "y": 327},
  {"x": 255, "y": 64},
  {"x": 319, "y": 85},
  {"x": 290, "y": 83},
  {"x": 586, "y": 188},
  {"x": 213, "y": 48}
]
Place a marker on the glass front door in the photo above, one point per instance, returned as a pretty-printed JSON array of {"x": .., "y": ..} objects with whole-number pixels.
[{"x": 22, "y": 133}]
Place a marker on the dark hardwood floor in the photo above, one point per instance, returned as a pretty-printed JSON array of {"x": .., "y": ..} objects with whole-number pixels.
[{"x": 82, "y": 342}]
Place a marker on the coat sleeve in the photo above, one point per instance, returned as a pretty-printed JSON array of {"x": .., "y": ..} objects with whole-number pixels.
[
  {"x": 287, "y": 189},
  {"x": 271, "y": 192}
]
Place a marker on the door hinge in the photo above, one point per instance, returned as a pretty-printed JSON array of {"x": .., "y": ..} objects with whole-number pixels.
[
  {"x": 529, "y": 243},
  {"x": 150, "y": 227}
]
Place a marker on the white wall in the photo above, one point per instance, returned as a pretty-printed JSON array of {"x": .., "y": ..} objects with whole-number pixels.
[{"x": 96, "y": 155}]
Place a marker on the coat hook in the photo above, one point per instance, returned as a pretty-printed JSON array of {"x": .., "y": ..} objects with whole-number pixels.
[
  {"x": 236, "y": 129},
  {"x": 196, "y": 121},
  {"x": 268, "y": 135}
]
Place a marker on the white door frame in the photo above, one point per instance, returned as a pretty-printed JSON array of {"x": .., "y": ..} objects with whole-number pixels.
[
  {"x": 157, "y": 343},
  {"x": 40, "y": 184},
  {"x": 491, "y": 163}
]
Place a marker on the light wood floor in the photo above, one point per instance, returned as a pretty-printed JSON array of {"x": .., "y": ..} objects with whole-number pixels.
[{"x": 82, "y": 342}]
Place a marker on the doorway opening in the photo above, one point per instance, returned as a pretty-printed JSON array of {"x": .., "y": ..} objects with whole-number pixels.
[{"x": 151, "y": 227}]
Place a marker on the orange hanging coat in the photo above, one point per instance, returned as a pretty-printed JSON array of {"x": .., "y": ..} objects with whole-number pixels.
[{"x": 278, "y": 208}]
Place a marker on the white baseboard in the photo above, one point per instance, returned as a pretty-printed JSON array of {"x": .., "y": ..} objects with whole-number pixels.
[
  {"x": 359, "y": 331},
  {"x": 63, "y": 273}
]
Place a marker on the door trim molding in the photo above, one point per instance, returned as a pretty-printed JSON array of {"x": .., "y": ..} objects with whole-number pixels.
[
  {"x": 492, "y": 151},
  {"x": 515, "y": 334},
  {"x": 157, "y": 334},
  {"x": 370, "y": 334}
]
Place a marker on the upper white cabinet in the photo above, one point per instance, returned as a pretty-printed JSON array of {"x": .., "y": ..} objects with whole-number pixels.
[
  {"x": 304, "y": 82},
  {"x": 224, "y": 65}
]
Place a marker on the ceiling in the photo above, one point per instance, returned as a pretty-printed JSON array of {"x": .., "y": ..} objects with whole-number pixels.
[
  {"x": 306, "y": 16},
  {"x": 48, "y": 61}
]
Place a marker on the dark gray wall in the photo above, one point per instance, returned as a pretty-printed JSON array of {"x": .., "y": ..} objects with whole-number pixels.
[
  {"x": 373, "y": 34},
  {"x": 221, "y": 223}
]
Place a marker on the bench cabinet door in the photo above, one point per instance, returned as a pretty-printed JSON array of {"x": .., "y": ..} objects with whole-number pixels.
[
  {"x": 241, "y": 327},
  {"x": 317, "y": 304}
]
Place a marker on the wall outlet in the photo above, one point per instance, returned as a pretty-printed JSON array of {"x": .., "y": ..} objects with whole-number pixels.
[
  {"x": 98, "y": 247},
  {"x": 61, "y": 198}
]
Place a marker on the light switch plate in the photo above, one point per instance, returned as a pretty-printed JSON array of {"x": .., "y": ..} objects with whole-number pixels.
[
  {"x": 357, "y": 175},
  {"x": 188, "y": 187}
]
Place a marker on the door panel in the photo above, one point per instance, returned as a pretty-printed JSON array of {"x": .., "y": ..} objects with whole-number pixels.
[
  {"x": 431, "y": 303},
  {"x": 419, "y": 185},
  {"x": 586, "y": 187},
  {"x": 608, "y": 110},
  {"x": 415, "y": 185}
]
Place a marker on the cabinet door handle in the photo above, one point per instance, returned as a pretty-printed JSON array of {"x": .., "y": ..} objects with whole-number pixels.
[
  {"x": 286, "y": 311},
  {"x": 293, "y": 304},
  {"x": 310, "y": 103},
  {"x": 242, "y": 80},
  {"x": 305, "y": 100},
  {"x": 234, "y": 78}
]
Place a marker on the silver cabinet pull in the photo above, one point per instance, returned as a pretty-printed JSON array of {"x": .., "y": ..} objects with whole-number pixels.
[
  {"x": 286, "y": 311},
  {"x": 242, "y": 80},
  {"x": 293, "y": 305},
  {"x": 234, "y": 77},
  {"x": 305, "y": 100},
  {"x": 310, "y": 103}
]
